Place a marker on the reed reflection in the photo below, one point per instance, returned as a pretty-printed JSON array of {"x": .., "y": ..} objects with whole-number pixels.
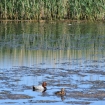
[
  {"x": 27, "y": 43},
  {"x": 23, "y": 57}
]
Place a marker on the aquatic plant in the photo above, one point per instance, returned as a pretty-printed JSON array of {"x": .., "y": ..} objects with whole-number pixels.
[{"x": 52, "y": 9}]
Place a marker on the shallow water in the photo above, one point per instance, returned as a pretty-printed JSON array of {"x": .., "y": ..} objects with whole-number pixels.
[{"x": 65, "y": 56}]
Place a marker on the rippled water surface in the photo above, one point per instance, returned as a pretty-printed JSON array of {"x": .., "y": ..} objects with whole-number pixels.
[{"x": 65, "y": 56}]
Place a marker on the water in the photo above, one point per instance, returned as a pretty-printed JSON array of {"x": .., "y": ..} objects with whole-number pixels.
[{"x": 63, "y": 55}]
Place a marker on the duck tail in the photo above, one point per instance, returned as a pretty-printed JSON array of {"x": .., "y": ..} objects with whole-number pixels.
[{"x": 33, "y": 88}]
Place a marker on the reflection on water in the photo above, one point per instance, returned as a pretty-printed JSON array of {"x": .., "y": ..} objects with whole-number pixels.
[
  {"x": 55, "y": 36},
  {"x": 53, "y": 46},
  {"x": 32, "y": 43},
  {"x": 49, "y": 58}
]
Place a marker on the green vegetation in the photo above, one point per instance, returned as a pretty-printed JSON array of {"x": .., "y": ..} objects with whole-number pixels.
[{"x": 52, "y": 9}]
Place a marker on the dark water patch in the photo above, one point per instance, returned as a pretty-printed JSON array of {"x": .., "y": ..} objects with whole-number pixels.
[
  {"x": 78, "y": 102},
  {"x": 97, "y": 94},
  {"x": 43, "y": 101},
  {"x": 100, "y": 72},
  {"x": 18, "y": 96},
  {"x": 73, "y": 71},
  {"x": 8, "y": 95},
  {"x": 98, "y": 84},
  {"x": 10, "y": 103},
  {"x": 66, "y": 85},
  {"x": 4, "y": 78},
  {"x": 4, "y": 93}
]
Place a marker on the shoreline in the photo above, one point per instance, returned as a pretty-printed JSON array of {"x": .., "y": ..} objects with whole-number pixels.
[{"x": 45, "y": 21}]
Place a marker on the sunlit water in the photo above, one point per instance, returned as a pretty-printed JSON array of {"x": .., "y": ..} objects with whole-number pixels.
[{"x": 57, "y": 51}]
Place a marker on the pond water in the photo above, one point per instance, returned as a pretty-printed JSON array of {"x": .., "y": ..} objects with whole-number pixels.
[{"x": 65, "y": 55}]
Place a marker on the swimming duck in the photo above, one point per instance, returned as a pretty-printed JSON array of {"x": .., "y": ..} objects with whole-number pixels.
[
  {"x": 62, "y": 92},
  {"x": 41, "y": 88}
]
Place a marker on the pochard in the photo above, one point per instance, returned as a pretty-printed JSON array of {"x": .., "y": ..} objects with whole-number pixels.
[{"x": 41, "y": 88}]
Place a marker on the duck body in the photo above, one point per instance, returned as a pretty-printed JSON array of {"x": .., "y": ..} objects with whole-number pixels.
[
  {"x": 62, "y": 92},
  {"x": 41, "y": 88}
]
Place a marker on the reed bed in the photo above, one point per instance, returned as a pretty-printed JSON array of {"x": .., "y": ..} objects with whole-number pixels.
[{"x": 52, "y": 9}]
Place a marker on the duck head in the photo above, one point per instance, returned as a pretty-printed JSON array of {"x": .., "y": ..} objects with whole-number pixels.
[
  {"x": 62, "y": 90},
  {"x": 44, "y": 84}
]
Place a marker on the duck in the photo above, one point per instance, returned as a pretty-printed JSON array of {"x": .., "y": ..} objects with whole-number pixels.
[
  {"x": 41, "y": 88},
  {"x": 62, "y": 92}
]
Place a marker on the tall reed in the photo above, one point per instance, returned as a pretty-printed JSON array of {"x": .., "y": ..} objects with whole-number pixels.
[{"x": 52, "y": 9}]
